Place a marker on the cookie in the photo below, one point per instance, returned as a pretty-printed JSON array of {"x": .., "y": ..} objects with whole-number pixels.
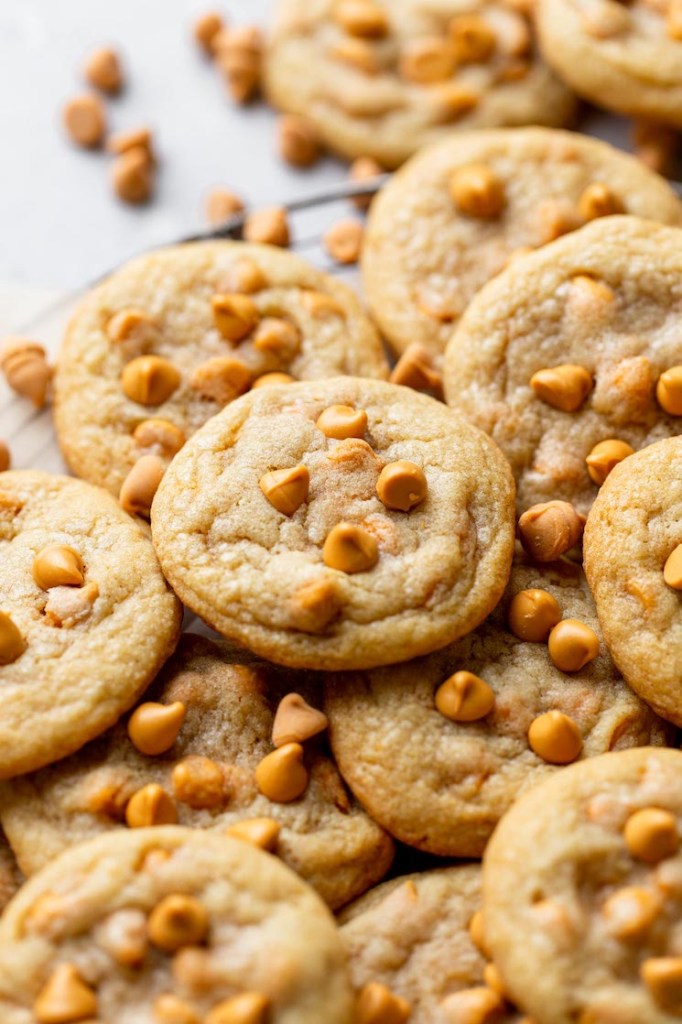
[
  {"x": 384, "y": 79},
  {"x": 86, "y": 618},
  {"x": 563, "y": 351},
  {"x": 411, "y": 936},
  {"x": 172, "y": 337},
  {"x": 624, "y": 57},
  {"x": 214, "y": 719},
  {"x": 170, "y": 924},
  {"x": 337, "y": 524},
  {"x": 454, "y": 215},
  {"x": 582, "y": 888},
  {"x": 439, "y": 748},
  {"x": 632, "y": 546},
  {"x": 11, "y": 877}
]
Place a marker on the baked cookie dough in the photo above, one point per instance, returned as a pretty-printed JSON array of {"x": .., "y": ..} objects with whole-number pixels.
[
  {"x": 625, "y": 57},
  {"x": 172, "y": 337},
  {"x": 441, "y": 779},
  {"x": 411, "y": 935},
  {"x": 221, "y": 713},
  {"x": 170, "y": 924},
  {"x": 563, "y": 351},
  {"x": 86, "y": 618},
  {"x": 582, "y": 888},
  {"x": 454, "y": 215},
  {"x": 337, "y": 524},
  {"x": 632, "y": 549}
]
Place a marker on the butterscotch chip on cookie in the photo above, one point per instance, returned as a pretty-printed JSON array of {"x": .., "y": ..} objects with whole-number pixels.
[
  {"x": 86, "y": 618},
  {"x": 438, "y": 749},
  {"x": 279, "y": 524},
  {"x": 170, "y": 338},
  {"x": 456, "y": 214},
  {"x": 582, "y": 892},
  {"x": 632, "y": 549},
  {"x": 170, "y": 924},
  {"x": 570, "y": 359},
  {"x": 381, "y": 80},
  {"x": 192, "y": 748}
]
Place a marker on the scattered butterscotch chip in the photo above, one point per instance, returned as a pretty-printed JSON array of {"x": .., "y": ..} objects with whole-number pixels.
[
  {"x": 402, "y": 485},
  {"x": 85, "y": 120},
  {"x": 153, "y": 728},
  {"x": 359, "y": 53},
  {"x": 672, "y": 570},
  {"x": 149, "y": 380},
  {"x": 278, "y": 337},
  {"x": 273, "y": 380},
  {"x": 451, "y": 100},
  {"x": 669, "y": 391},
  {"x": 24, "y": 364},
  {"x": 478, "y": 1005},
  {"x": 673, "y": 20},
  {"x": 563, "y": 387},
  {"x": 151, "y": 805},
  {"x": 65, "y": 997},
  {"x": 533, "y": 614},
  {"x": 320, "y": 305},
  {"x": 376, "y": 1004},
  {"x": 269, "y": 226},
  {"x": 556, "y": 217},
  {"x": 238, "y": 54},
  {"x": 281, "y": 776},
  {"x": 477, "y": 191},
  {"x": 493, "y": 980},
  {"x": 362, "y": 18},
  {"x": 168, "y": 1009},
  {"x": 141, "y": 484},
  {"x": 206, "y": 28},
  {"x": 261, "y": 832},
  {"x": 132, "y": 325},
  {"x": 177, "y": 921},
  {"x": 286, "y": 489},
  {"x": 364, "y": 169},
  {"x": 427, "y": 60},
  {"x": 235, "y": 316},
  {"x": 473, "y": 39},
  {"x": 555, "y": 738},
  {"x": 629, "y": 912},
  {"x": 221, "y": 204},
  {"x": 342, "y": 421},
  {"x": 651, "y": 835},
  {"x": 314, "y": 605},
  {"x": 12, "y": 643},
  {"x": 663, "y": 975},
  {"x": 222, "y": 379},
  {"x": 477, "y": 934},
  {"x": 135, "y": 138},
  {"x": 464, "y": 697},
  {"x": 244, "y": 277},
  {"x": 296, "y": 721},
  {"x": 416, "y": 369},
  {"x": 572, "y": 645},
  {"x": 550, "y": 529},
  {"x": 350, "y": 549},
  {"x": 162, "y": 436},
  {"x": 57, "y": 566},
  {"x": 132, "y": 176},
  {"x": 297, "y": 141},
  {"x": 199, "y": 782},
  {"x": 599, "y": 201},
  {"x": 605, "y": 456},
  {"x": 246, "y": 1008},
  {"x": 103, "y": 70},
  {"x": 5, "y": 459},
  {"x": 343, "y": 241}
]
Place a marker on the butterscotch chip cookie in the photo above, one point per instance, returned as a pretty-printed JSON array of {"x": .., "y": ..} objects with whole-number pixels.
[
  {"x": 559, "y": 358},
  {"x": 383, "y": 79},
  {"x": 439, "y": 748},
  {"x": 337, "y": 524},
  {"x": 632, "y": 550},
  {"x": 412, "y": 936},
  {"x": 170, "y": 924},
  {"x": 170, "y": 338},
  {"x": 457, "y": 212},
  {"x": 582, "y": 888},
  {"x": 86, "y": 618},
  {"x": 199, "y": 735},
  {"x": 625, "y": 57}
]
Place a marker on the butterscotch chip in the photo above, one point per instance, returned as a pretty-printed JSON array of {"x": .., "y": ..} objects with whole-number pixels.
[
  {"x": 26, "y": 369},
  {"x": 12, "y": 643},
  {"x": 135, "y": 138},
  {"x": 452, "y": 101},
  {"x": 269, "y": 226},
  {"x": 178, "y": 921},
  {"x": 427, "y": 60},
  {"x": 473, "y": 38},
  {"x": 132, "y": 176},
  {"x": 153, "y": 728},
  {"x": 273, "y": 380},
  {"x": 630, "y": 912},
  {"x": 477, "y": 1005},
  {"x": 297, "y": 141},
  {"x": 651, "y": 835},
  {"x": 160, "y": 435},
  {"x": 464, "y": 697},
  {"x": 672, "y": 570},
  {"x": 168, "y": 1009},
  {"x": 151, "y": 805},
  {"x": 296, "y": 721},
  {"x": 141, "y": 484},
  {"x": 221, "y": 204},
  {"x": 599, "y": 201},
  {"x": 205, "y": 30},
  {"x": 246, "y": 1008},
  {"x": 358, "y": 53},
  {"x": 533, "y": 614},
  {"x": 362, "y": 18},
  {"x": 572, "y": 645},
  {"x": 673, "y": 21},
  {"x": 103, "y": 70},
  {"x": 5, "y": 459},
  {"x": 549, "y": 530},
  {"x": 494, "y": 981},
  {"x": 342, "y": 421},
  {"x": 243, "y": 277},
  {"x": 563, "y": 387},
  {"x": 555, "y": 738},
  {"x": 655, "y": 145},
  {"x": 199, "y": 782},
  {"x": 605, "y": 456},
  {"x": 477, "y": 191},
  {"x": 131, "y": 325},
  {"x": 363, "y": 169},
  {"x": 669, "y": 391},
  {"x": 320, "y": 305},
  {"x": 415, "y": 369},
  {"x": 281, "y": 776},
  {"x": 85, "y": 120},
  {"x": 350, "y": 549},
  {"x": 315, "y": 605},
  {"x": 286, "y": 489},
  {"x": 343, "y": 241},
  {"x": 477, "y": 933},
  {"x": 261, "y": 832},
  {"x": 58, "y": 566},
  {"x": 402, "y": 485},
  {"x": 376, "y": 1004},
  {"x": 65, "y": 998},
  {"x": 222, "y": 379},
  {"x": 235, "y": 316},
  {"x": 242, "y": 71},
  {"x": 278, "y": 337}
]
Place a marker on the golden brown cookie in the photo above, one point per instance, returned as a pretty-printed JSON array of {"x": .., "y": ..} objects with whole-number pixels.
[{"x": 190, "y": 751}]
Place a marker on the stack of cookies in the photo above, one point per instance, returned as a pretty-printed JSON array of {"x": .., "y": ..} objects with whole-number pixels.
[{"x": 419, "y": 634}]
